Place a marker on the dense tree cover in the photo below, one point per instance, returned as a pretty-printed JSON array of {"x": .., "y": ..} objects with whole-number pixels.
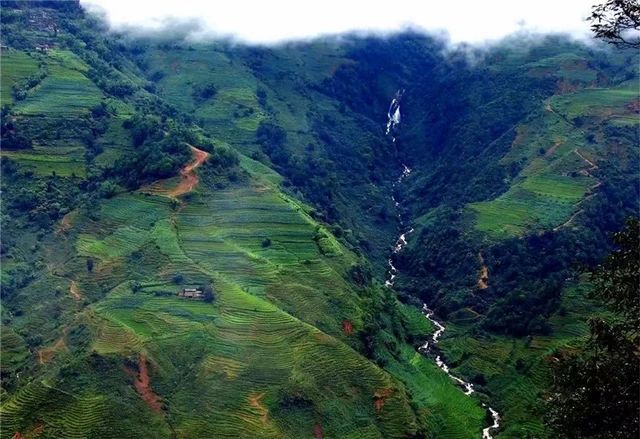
[
  {"x": 308, "y": 172},
  {"x": 596, "y": 392},
  {"x": 160, "y": 150},
  {"x": 459, "y": 120},
  {"x": 44, "y": 201},
  {"x": 528, "y": 274},
  {"x": 11, "y": 137},
  {"x": 204, "y": 92}
]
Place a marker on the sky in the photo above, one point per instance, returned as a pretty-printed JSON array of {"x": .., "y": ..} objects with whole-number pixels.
[{"x": 277, "y": 21}]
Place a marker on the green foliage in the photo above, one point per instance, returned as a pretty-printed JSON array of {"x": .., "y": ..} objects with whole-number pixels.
[
  {"x": 204, "y": 92},
  {"x": 486, "y": 179},
  {"x": 161, "y": 149},
  {"x": 594, "y": 393}
]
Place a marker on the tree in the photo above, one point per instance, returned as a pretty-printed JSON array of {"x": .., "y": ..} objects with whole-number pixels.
[
  {"x": 208, "y": 294},
  {"x": 89, "y": 265},
  {"x": 596, "y": 393},
  {"x": 617, "y": 22},
  {"x": 203, "y": 92}
]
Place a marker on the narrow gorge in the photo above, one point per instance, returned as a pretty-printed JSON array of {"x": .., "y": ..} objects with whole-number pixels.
[{"x": 428, "y": 348}]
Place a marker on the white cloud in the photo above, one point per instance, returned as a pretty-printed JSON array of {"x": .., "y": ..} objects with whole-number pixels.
[{"x": 273, "y": 21}]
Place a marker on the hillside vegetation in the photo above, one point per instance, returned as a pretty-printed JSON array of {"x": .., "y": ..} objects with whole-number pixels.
[
  {"x": 136, "y": 168},
  {"x": 110, "y": 219}
]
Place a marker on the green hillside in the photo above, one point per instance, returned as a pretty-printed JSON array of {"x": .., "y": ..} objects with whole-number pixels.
[
  {"x": 97, "y": 342},
  {"x": 136, "y": 169}
]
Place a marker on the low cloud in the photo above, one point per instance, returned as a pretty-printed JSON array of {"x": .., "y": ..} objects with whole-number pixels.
[{"x": 277, "y": 21}]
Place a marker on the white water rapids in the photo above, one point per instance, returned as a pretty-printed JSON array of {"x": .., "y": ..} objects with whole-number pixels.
[{"x": 393, "y": 121}]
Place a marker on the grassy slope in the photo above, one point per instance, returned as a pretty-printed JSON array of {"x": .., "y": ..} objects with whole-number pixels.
[
  {"x": 65, "y": 93},
  {"x": 15, "y": 66},
  {"x": 517, "y": 370},
  {"x": 269, "y": 358},
  {"x": 557, "y": 176},
  {"x": 288, "y": 77},
  {"x": 207, "y": 361}
]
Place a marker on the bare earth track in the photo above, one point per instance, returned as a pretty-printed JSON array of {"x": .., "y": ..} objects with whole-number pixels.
[{"x": 188, "y": 178}]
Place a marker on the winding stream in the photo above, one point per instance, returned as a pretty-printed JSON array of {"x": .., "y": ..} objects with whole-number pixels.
[{"x": 428, "y": 348}]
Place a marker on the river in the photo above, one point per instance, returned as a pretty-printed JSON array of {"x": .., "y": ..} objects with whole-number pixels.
[{"x": 429, "y": 347}]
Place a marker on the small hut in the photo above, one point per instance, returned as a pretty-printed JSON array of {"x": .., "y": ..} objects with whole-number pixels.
[{"x": 191, "y": 293}]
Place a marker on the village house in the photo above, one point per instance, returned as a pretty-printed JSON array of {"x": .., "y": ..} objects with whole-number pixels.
[{"x": 191, "y": 293}]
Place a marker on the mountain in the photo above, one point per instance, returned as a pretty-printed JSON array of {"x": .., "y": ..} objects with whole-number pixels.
[{"x": 137, "y": 169}]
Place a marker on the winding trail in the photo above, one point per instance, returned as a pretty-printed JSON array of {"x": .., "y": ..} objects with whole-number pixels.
[
  {"x": 188, "y": 177},
  {"x": 429, "y": 347},
  {"x": 586, "y": 172}
]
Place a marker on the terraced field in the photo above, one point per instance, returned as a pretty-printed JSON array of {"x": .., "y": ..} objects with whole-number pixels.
[
  {"x": 516, "y": 369},
  {"x": 16, "y": 65},
  {"x": 560, "y": 163},
  {"x": 238, "y": 331},
  {"x": 270, "y": 357},
  {"x": 46, "y": 161},
  {"x": 64, "y": 93},
  {"x": 62, "y": 84}
]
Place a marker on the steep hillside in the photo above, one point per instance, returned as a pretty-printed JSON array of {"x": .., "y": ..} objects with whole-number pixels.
[
  {"x": 136, "y": 169},
  {"x": 115, "y": 202}
]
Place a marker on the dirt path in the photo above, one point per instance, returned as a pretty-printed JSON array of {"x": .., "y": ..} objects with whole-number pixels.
[
  {"x": 553, "y": 148},
  {"x": 589, "y": 162},
  {"x": 586, "y": 172},
  {"x": 254, "y": 401},
  {"x": 483, "y": 279},
  {"x": 188, "y": 178},
  {"x": 74, "y": 291},
  {"x": 46, "y": 354},
  {"x": 142, "y": 384}
]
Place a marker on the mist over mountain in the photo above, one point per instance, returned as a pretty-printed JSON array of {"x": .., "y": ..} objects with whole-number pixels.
[
  {"x": 362, "y": 231},
  {"x": 280, "y": 21}
]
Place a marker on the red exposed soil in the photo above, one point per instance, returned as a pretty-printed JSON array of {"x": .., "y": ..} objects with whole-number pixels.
[
  {"x": 254, "y": 401},
  {"x": 142, "y": 384},
  {"x": 189, "y": 179},
  {"x": 37, "y": 431},
  {"x": 46, "y": 354},
  {"x": 347, "y": 327},
  {"x": 379, "y": 398},
  {"x": 317, "y": 431},
  {"x": 564, "y": 86},
  {"x": 66, "y": 223},
  {"x": 553, "y": 148},
  {"x": 31, "y": 434},
  {"x": 483, "y": 279}
]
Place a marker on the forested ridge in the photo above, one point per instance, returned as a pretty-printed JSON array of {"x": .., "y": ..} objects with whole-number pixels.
[{"x": 524, "y": 162}]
